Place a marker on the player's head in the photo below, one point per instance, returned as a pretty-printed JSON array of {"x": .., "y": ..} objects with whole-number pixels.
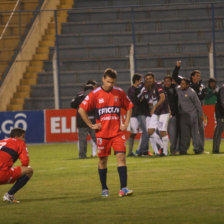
[
  {"x": 149, "y": 79},
  {"x": 18, "y": 133},
  {"x": 88, "y": 87},
  {"x": 196, "y": 76},
  {"x": 109, "y": 79},
  {"x": 167, "y": 81},
  {"x": 92, "y": 82},
  {"x": 137, "y": 78},
  {"x": 185, "y": 83}
]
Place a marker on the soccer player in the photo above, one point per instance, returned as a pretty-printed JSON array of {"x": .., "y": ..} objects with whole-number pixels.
[
  {"x": 10, "y": 150},
  {"x": 173, "y": 131},
  {"x": 107, "y": 101},
  {"x": 159, "y": 111},
  {"x": 138, "y": 118}
]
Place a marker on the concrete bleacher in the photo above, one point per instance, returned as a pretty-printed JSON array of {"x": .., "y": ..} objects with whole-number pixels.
[
  {"x": 18, "y": 24},
  {"x": 96, "y": 38}
]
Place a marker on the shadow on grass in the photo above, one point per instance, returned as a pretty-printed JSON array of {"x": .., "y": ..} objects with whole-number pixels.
[{"x": 179, "y": 190}]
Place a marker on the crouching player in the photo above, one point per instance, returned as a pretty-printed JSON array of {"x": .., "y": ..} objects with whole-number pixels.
[
  {"x": 10, "y": 150},
  {"x": 107, "y": 101}
]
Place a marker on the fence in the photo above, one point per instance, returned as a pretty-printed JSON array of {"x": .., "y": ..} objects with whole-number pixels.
[{"x": 46, "y": 126}]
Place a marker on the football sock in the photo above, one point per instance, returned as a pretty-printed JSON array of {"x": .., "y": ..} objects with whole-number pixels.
[
  {"x": 19, "y": 184},
  {"x": 103, "y": 178},
  {"x": 157, "y": 139},
  {"x": 165, "y": 140},
  {"x": 131, "y": 142},
  {"x": 154, "y": 146},
  {"x": 122, "y": 170}
]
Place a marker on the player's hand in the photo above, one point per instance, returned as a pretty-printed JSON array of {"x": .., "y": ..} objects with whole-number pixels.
[
  {"x": 123, "y": 127},
  {"x": 152, "y": 110},
  {"x": 96, "y": 126},
  {"x": 178, "y": 63}
]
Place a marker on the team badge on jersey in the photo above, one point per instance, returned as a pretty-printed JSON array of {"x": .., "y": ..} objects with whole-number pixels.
[
  {"x": 101, "y": 100},
  {"x": 116, "y": 99},
  {"x": 99, "y": 141}
]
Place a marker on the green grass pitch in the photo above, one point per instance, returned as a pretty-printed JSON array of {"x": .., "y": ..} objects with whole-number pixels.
[{"x": 176, "y": 189}]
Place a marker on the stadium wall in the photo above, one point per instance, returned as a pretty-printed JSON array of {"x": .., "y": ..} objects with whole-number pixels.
[{"x": 45, "y": 126}]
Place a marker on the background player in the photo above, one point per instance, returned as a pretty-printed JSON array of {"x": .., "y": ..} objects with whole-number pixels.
[
  {"x": 107, "y": 101},
  {"x": 10, "y": 150}
]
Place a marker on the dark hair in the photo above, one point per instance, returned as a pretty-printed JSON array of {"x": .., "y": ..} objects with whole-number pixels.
[
  {"x": 149, "y": 74},
  {"x": 88, "y": 86},
  {"x": 194, "y": 72},
  {"x": 186, "y": 80},
  {"x": 136, "y": 77},
  {"x": 109, "y": 72},
  {"x": 211, "y": 80},
  {"x": 168, "y": 77},
  {"x": 93, "y": 82},
  {"x": 17, "y": 132}
]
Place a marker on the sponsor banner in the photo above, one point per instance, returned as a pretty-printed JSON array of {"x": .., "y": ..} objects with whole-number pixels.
[
  {"x": 60, "y": 125},
  {"x": 209, "y": 120},
  {"x": 31, "y": 121}
]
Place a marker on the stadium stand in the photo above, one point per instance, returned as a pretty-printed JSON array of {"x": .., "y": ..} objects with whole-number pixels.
[
  {"x": 98, "y": 34},
  {"x": 36, "y": 64},
  {"x": 12, "y": 32}
]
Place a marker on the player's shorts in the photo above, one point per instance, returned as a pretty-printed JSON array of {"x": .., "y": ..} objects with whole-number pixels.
[
  {"x": 11, "y": 175},
  {"x": 147, "y": 122},
  {"x": 134, "y": 125},
  {"x": 159, "y": 122},
  {"x": 118, "y": 143}
]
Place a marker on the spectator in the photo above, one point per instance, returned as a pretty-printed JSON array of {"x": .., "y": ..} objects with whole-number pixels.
[
  {"x": 198, "y": 87},
  {"x": 219, "y": 113},
  {"x": 211, "y": 92},
  {"x": 190, "y": 115},
  {"x": 83, "y": 129}
]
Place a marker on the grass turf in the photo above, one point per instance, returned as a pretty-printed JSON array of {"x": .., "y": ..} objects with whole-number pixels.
[{"x": 176, "y": 189}]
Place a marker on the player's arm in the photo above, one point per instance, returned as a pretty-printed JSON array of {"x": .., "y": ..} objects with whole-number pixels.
[
  {"x": 24, "y": 156},
  {"x": 127, "y": 120},
  {"x": 85, "y": 118},
  {"x": 175, "y": 74},
  {"x": 162, "y": 98}
]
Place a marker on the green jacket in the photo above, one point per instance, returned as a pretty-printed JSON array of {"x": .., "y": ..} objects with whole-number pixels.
[{"x": 210, "y": 97}]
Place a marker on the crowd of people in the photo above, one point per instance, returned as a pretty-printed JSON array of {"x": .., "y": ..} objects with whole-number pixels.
[
  {"x": 168, "y": 111},
  {"x": 173, "y": 112}
]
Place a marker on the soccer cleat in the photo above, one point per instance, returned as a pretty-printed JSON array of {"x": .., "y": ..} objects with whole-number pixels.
[
  {"x": 149, "y": 153},
  {"x": 160, "y": 151},
  {"x": 131, "y": 154},
  {"x": 125, "y": 192},
  {"x": 10, "y": 198},
  {"x": 105, "y": 193}
]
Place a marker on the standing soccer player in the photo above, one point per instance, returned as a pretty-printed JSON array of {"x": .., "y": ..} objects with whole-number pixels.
[
  {"x": 10, "y": 150},
  {"x": 107, "y": 101},
  {"x": 159, "y": 111}
]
